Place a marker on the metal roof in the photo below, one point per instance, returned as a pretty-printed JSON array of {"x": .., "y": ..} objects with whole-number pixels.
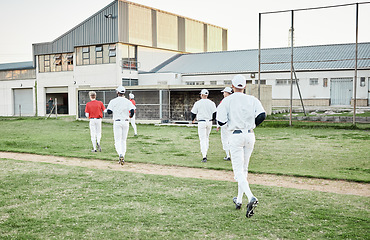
[
  {"x": 323, "y": 57},
  {"x": 16, "y": 66}
]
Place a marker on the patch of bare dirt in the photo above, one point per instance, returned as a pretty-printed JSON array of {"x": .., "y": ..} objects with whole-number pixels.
[{"x": 313, "y": 184}]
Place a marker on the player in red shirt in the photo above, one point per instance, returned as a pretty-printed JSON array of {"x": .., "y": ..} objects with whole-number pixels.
[
  {"x": 132, "y": 120},
  {"x": 94, "y": 111}
]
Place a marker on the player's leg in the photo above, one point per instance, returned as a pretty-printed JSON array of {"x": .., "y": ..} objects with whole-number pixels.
[
  {"x": 92, "y": 126},
  {"x": 133, "y": 124},
  {"x": 125, "y": 128},
  {"x": 98, "y": 133},
  {"x": 117, "y": 132},
  {"x": 208, "y": 131},
  {"x": 237, "y": 144},
  {"x": 202, "y": 139},
  {"x": 225, "y": 141},
  {"x": 248, "y": 149}
]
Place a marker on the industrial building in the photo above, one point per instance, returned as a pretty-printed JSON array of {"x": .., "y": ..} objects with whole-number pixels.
[{"x": 165, "y": 59}]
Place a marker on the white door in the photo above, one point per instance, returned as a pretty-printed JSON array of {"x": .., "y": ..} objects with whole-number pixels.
[
  {"x": 23, "y": 102},
  {"x": 341, "y": 91}
]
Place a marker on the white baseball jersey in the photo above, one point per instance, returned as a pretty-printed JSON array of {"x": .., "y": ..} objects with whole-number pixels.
[
  {"x": 120, "y": 107},
  {"x": 239, "y": 111},
  {"x": 204, "y": 109}
]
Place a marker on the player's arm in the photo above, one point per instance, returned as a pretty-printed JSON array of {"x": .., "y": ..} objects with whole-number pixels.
[
  {"x": 221, "y": 115},
  {"x": 260, "y": 118}
]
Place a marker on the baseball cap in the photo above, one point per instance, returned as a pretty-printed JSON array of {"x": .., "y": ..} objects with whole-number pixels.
[
  {"x": 227, "y": 89},
  {"x": 121, "y": 89},
  {"x": 204, "y": 92},
  {"x": 131, "y": 95},
  {"x": 239, "y": 81}
]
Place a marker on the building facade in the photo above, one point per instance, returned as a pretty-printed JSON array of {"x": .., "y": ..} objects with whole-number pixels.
[{"x": 165, "y": 60}]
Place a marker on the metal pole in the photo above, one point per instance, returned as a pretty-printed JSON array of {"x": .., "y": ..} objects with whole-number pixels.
[
  {"x": 259, "y": 58},
  {"x": 291, "y": 70},
  {"x": 299, "y": 91},
  {"x": 160, "y": 104},
  {"x": 56, "y": 108},
  {"x": 355, "y": 81},
  {"x": 20, "y": 110}
]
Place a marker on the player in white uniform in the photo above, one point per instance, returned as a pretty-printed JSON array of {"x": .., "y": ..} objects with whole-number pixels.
[
  {"x": 122, "y": 110},
  {"x": 242, "y": 113},
  {"x": 225, "y": 133},
  {"x": 132, "y": 120},
  {"x": 205, "y": 111}
]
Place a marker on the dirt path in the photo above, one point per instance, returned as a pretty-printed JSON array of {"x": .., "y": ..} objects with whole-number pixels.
[{"x": 333, "y": 186}]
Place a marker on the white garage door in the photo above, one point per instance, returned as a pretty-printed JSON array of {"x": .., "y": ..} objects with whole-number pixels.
[
  {"x": 341, "y": 91},
  {"x": 23, "y": 102}
]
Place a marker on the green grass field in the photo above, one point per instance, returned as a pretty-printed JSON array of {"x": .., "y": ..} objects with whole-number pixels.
[
  {"x": 47, "y": 201},
  {"x": 333, "y": 151}
]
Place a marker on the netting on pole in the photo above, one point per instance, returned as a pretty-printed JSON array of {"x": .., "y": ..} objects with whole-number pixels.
[{"x": 312, "y": 26}]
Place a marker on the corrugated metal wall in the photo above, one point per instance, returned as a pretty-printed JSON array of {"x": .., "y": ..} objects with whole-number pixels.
[{"x": 95, "y": 30}]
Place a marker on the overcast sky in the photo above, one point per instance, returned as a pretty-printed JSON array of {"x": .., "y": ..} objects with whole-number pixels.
[{"x": 24, "y": 22}]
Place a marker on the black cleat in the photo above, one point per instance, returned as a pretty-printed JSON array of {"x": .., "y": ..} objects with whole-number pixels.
[
  {"x": 93, "y": 150},
  {"x": 237, "y": 205},
  {"x": 251, "y": 206},
  {"x": 204, "y": 159},
  {"x": 121, "y": 160},
  {"x": 99, "y": 147}
]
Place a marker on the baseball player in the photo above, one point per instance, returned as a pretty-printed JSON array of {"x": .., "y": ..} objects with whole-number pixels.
[
  {"x": 94, "y": 111},
  {"x": 225, "y": 133},
  {"x": 122, "y": 110},
  {"x": 205, "y": 111},
  {"x": 242, "y": 113},
  {"x": 132, "y": 120}
]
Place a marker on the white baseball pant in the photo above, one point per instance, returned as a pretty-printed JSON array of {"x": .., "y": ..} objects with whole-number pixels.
[
  {"x": 225, "y": 135},
  {"x": 241, "y": 148},
  {"x": 204, "y": 129},
  {"x": 133, "y": 124},
  {"x": 95, "y": 131},
  {"x": 120, "y": 131}
]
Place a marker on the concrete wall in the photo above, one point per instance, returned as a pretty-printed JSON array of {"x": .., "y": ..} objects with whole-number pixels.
[{"x": 150, "y": 58}]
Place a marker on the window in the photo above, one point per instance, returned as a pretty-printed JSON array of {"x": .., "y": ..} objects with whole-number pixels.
[
  {"x": 314, "y": 81},
  {"x": 362, "y": 82},
  {"x": 325, "y": 82},
  {"x": 263, "y": 82},
  {"x": 213, "y": 82},
  {"x": 47, "y": 63},
  {"x": 58, "y": 59},
  {"x": 249, "y": 82},
  {"x": 130, "y": 82},
  {"x": 195, "y": 83},
  {"x": 85, "y": 55},
  {"x": 112, "y": 50},
  {"x": 227, "y": 82},
  {"x": 284, "y": 81},
  {"x": 99, "y": 54}
]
